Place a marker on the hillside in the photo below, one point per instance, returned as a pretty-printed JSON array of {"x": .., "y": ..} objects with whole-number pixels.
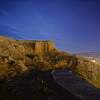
[
  {"x": 18, "y": 56},
  {"x": 25, "y": 75}
]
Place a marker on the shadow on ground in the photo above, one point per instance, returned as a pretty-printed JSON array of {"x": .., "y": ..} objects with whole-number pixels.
[{"x": 33, "y": 85}]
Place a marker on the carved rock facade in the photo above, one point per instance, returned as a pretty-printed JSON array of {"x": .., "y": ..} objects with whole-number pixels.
[{"x": 38, "y": 46}]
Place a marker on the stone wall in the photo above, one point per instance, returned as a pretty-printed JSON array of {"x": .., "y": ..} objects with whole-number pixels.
[
  {"x": 38, "y": 46},
  {"x": 88, "y": 70}
]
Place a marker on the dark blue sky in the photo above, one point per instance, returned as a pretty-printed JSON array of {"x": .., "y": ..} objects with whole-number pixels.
[{"x": 73, "y": 24}]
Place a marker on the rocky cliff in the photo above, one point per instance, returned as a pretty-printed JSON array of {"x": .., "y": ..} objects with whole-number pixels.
[
  {"x": 88, "y": 70},
  {"x": 18, "y": 48},
  {"x": 22, "y": 53},
  {"x": 37, "y": 46},
  {"x": 18, "y": 56}
]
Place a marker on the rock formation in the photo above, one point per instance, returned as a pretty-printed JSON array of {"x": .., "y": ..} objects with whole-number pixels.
[
  {"x": 18, "y": 54},
  {"x": 38, "y": 46}
]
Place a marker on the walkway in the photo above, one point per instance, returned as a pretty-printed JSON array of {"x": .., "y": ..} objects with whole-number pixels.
[{"x": 76, "y": 85}]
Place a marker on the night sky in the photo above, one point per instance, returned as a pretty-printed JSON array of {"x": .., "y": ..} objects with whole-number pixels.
[{"x": 74, "y": 25}]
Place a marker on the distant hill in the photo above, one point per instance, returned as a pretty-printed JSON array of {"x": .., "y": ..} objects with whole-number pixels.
[{"x": 90, "y": 54}]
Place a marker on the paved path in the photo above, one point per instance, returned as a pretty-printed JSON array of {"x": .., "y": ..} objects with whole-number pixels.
[
  {"x": 31, "y": 87},
  {"x": 61, "y": 92},
  {"x": 76, "y": 85}
]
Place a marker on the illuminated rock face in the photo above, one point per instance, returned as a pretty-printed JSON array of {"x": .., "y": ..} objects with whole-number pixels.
[
  {"x": 41, "y": 47},
  {"x": 19, "y": 48},
  {"x": 38, "y": 46}
]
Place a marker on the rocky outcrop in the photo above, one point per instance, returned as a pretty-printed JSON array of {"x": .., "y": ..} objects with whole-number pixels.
[
  {"x": 88, "y": 70},
  {"x": 18, "y": 56},
  {"x": 37, "y": 46},
  {"x": 20, "y": 53},
  {"x": 19, "y": 48}
]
